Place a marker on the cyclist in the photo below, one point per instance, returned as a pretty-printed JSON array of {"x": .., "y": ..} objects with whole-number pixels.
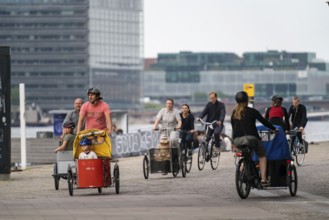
[
  {"x": 215, "y": 111},
  {"x": 170, "y": 119},
  {"x": 96, "y": 112},
  {"x": 298, "y": 115},
  {"x": 187, "y": 126},
  {"x": 276, "y": 113},
  {"x": 243, "y": 121}
]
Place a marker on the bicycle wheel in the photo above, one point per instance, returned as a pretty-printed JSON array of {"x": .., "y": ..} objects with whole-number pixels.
[
  {"x": 292, "y": 180},
  {"x": 183, "y": 165},
  {"x": 146, "y": 170},
  {"x": 116, "y": 174},
  {"x": 175, "y": 173},
  {"x": 300, "y": 154},
  {"x": 175, "y": 161},
  {"x": 70, "y": 180},
  {"x": 56, "y": 177},
  {"x": 202, "y": 156},
  {"x": 99, "y": 189},
  {"x": 189, "y": 160},
  {"x": 242, "y": 186},
  {"x": 214, "y": 160}
]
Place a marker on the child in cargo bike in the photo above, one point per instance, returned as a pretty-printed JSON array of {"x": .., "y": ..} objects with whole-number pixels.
[
  {"x": 66, "y": 143},
  {"x": 87, "y": 153},
  {"x": 93, "y": 140}
]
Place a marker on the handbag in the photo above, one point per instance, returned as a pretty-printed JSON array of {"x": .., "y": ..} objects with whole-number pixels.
[{"x": 305, "y": 146}]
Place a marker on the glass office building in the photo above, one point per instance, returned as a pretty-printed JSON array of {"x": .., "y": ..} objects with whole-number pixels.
[
  {"x": 60, "y": 48},
  {"x": 188, "y": 76},
  {"x": 116, "y": 49}
]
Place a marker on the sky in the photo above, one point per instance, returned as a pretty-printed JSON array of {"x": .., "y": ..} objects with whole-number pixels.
[{"x": 236, "y": 26}]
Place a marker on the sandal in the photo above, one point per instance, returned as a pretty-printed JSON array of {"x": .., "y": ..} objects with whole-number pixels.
[{"x": 264, "y": 183}]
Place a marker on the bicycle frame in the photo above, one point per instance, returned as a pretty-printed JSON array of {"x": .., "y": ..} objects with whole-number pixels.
[
  {"x": 252, "y": 172},
  {"x": 186, "y": 159},
  {"x": 296, "y": 149},
  {"x": 206, "y": 155},
  {"x": 209, "y": 125},
  {"x": 182, "y": 144},
  {"x": 293, "y": 139}
]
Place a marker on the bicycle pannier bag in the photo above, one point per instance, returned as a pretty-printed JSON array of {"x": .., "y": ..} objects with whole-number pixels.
[{"x": 246, "y": 140}]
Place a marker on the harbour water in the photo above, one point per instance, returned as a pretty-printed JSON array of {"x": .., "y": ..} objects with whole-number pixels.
[{"x": 316, "y": 131}]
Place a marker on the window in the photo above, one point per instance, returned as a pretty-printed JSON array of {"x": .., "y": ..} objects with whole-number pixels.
[{"x": 182, "y": 77}]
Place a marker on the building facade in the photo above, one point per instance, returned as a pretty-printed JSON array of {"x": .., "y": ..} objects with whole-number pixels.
[
  {"x": 190, "y": 76},
  {"x": 116, "y": 50},
  {"x": 60, "y": 48}
]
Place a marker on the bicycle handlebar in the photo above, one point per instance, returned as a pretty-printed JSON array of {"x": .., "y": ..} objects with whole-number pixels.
[
  {"x": 91, "y": 133},
  {"x": 163, "y": 129},
  {"x": 207, "y": 123},
  {"x": 294, "y": 131},
  {"x": 182, "y": 131}
]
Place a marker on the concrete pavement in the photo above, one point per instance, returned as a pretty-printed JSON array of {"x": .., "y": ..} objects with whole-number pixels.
[{"x": 206, "y": 194}]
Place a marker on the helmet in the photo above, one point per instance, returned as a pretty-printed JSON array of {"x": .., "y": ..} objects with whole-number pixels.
[
  {"x": 274, "y": 98},
  {"x": 277, "y": 98},
  {"x": 95, "y": 91},
  {"x": 69, "y": 124},
  {"x": 241, "y": 97},
  {"x": 85, "y": 141}
]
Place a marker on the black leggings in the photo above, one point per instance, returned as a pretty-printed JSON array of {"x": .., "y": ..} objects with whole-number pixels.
[{"x": 187, "y": 139}]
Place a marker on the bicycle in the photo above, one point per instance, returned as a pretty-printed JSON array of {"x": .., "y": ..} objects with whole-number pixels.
[
  {"x": 247, "y": 174},
  {"x": 297, "y": 148},
  {"x": 186, "y": 154},
  {"x": 205, "y": 154}
]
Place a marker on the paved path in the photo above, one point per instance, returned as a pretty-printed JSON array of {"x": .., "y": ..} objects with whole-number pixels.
[{"x": 201, "y": 195}]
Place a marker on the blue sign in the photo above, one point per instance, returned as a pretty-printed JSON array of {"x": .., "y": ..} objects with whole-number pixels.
[{"x": 58, "y": 123}]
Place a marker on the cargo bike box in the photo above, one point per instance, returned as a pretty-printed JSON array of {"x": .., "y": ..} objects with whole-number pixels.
[{"x": 163, "y": 159}]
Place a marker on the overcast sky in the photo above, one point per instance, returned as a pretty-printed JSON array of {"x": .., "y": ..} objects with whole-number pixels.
[{"x": 236, "y": 26}]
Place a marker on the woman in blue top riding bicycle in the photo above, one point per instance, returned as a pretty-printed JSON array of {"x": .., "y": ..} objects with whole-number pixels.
[
  {"x": 243, "y": 121},
  {"x": 187, "y": 126}
]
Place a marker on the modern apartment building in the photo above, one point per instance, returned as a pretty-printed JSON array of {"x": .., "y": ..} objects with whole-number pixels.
[
  {"x": 60, "y": 48},
  {"x": 190, "y": 76}
]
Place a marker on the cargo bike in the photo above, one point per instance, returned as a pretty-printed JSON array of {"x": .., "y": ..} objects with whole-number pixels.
[
  {"x": 164, "y": 159},
  {"x": 93, "y": 173},
  {"x": 281, "y": 171},
  {"x": 63, "y": 160}
]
